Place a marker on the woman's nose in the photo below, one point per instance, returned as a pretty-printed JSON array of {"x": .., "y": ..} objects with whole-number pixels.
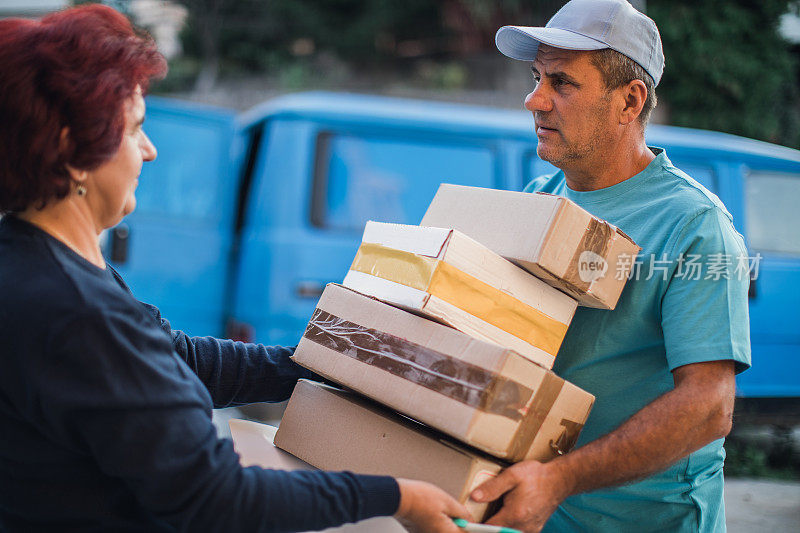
[{"x": 149, "y": 151}]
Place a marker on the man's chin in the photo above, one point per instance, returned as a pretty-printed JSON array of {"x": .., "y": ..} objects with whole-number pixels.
[{"x": 546, "y": 153}]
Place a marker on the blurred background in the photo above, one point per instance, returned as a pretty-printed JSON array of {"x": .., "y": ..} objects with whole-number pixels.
[{"x": 732, "y": 66}]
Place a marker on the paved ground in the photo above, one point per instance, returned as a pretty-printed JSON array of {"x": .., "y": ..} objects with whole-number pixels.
[{"x": 762, "y": 506}]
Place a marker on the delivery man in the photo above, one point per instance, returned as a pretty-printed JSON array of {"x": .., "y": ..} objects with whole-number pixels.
[{"x": 662, "y": 364}]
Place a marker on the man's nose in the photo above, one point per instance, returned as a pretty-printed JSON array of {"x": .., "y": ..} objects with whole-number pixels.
[{"x": 538, "y": 99}]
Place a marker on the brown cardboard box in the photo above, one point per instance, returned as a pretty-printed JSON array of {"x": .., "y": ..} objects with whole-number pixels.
[
  {"x": 335, "y": 430},
  {"x": 254, "y": 444},
  {"x": 449, "y": 277},
  {"x": 550, "y": 236},
  {"x": 481, "y": 393}
]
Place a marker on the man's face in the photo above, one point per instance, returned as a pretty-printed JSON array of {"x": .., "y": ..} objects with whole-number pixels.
[{"x": 571, "y": 107}]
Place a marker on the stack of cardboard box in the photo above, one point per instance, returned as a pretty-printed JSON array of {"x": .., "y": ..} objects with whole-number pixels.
[{"x": 451, "y": 328}]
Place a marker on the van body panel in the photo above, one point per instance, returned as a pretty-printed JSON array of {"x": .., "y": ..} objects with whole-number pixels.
[
  {"x": 180, "y": 234},
  {"x": 327, "y": 162}
]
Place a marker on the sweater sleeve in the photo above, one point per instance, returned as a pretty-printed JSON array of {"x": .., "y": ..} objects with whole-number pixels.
[
  {"x": 237, "y": 373},
  {"x": 116, "y": 390}
]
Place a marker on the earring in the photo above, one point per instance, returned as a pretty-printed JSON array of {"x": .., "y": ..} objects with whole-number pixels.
[{"x": 80, "y": 190}]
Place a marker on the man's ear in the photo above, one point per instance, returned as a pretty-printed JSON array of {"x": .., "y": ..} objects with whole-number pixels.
[{"x": 635, "y": 94}]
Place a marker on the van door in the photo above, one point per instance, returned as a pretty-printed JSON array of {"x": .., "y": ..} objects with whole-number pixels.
[
  {"x": 772, "y": 219},
  {"x": 173, "y": 249},
  {"x": 321, "y": 182}
]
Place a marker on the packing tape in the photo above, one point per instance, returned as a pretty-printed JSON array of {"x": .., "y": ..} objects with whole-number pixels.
[
  {"x": 596, "y": 239},
  {"x": 406, "y": 268},
  {"x": 542, "y": 403},
  {"x": 466, "y": 292},
  {"x": 454, "y": 378},
  {"x": 568, "y": 438}
]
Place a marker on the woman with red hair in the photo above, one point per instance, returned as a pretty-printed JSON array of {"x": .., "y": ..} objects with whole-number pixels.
[{"x": 105, "y": 411}]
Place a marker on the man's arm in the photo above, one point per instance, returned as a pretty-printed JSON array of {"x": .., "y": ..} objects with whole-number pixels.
[{"x": 697, "y": 411}]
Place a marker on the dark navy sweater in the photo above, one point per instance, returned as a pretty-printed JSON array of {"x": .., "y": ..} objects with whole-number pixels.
[{"x": 105, "y": 412}]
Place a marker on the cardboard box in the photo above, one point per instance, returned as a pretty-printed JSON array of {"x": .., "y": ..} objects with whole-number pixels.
[
  {"x": 335, "y": 430},
  {"x": 550, "y": 236},
  {"x": 447, "y": 276},
  {"x": 480, "y": 393},
  {"x": 254, "y": 444}
]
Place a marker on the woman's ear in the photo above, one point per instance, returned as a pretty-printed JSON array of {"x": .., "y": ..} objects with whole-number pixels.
[
  {"x": 63, "y": 140},
  {"x": 635, "y": 94},
  {"x": 77, "y": 176}
]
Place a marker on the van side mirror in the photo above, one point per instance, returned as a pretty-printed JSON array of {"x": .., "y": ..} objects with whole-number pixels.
[{"x": 118, "y": 243}]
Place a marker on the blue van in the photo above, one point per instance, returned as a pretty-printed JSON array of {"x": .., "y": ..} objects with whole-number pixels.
[{"x": 243, "y": 219}]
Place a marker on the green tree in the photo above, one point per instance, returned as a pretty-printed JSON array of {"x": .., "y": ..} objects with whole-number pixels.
[{"x": 727, "y": 67}]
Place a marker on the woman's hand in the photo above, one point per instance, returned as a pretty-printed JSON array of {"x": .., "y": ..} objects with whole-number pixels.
[{"x": 427, "y": 508}]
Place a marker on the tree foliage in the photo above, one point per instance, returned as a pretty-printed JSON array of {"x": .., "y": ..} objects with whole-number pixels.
[
  {"x": 254, "y": 33},
  {"x": 727, "y": 67}
]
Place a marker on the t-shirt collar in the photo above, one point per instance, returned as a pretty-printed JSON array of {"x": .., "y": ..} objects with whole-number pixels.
[{"x": 600, "y": 195}]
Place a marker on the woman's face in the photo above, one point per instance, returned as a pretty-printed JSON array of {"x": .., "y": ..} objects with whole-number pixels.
[{"x": 111, "y": 186}]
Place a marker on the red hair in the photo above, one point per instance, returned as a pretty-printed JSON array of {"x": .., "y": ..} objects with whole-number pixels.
[{"x": 74, "y": 69}]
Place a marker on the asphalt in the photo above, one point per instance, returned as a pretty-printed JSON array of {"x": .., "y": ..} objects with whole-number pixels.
[{"x": 762, "y": 506}]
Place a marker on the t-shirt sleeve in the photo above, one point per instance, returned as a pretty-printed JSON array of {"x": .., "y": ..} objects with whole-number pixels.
[
  {"x": 116, "y": 390},
  {"x": 704, "y": 309}
]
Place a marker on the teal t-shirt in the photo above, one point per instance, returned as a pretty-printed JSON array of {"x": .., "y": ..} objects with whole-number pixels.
[{"x": 685, "y": 302}]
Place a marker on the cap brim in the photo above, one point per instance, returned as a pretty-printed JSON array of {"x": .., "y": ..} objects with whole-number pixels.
[{"x": 522, "y": 42}]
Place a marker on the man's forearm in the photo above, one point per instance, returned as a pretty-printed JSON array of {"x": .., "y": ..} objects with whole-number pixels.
[{"x": 677, "y": 423}]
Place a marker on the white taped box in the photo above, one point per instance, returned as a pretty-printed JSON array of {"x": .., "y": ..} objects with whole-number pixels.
[{"x": 446, "y": 276}]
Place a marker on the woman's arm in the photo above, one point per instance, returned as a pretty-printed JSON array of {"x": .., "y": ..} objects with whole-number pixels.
[
  {"x": 234, "y": 373},
  {"x": 237, "y": 373},
  {"x": 114, "y": 390}
]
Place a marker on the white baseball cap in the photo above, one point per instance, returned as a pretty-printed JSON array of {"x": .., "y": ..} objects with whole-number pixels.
[{"x": 590, "y": 25}]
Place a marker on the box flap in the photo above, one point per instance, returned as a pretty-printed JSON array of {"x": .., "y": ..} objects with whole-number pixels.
[
  {"x": 628, "y": 237},
  {"x": 254, "y": 444},
  {"x": 414, "y": 239},
  {"x": 385, "y": 289}
]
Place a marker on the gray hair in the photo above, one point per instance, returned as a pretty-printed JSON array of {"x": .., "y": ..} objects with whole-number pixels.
[{"x": 618, "y": 70}]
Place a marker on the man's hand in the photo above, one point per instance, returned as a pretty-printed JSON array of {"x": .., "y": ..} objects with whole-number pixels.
[
  {"x": 533, "y": 491},
  {"x": 696, "y": 412},
  {"x": 426, "y": 508}
]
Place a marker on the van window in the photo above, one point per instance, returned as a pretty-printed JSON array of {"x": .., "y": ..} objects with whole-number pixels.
[
  {"x": 359, "y": 178},
  {"x": 772, "y": 213},
  {"x": 187, "y": 178}
]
